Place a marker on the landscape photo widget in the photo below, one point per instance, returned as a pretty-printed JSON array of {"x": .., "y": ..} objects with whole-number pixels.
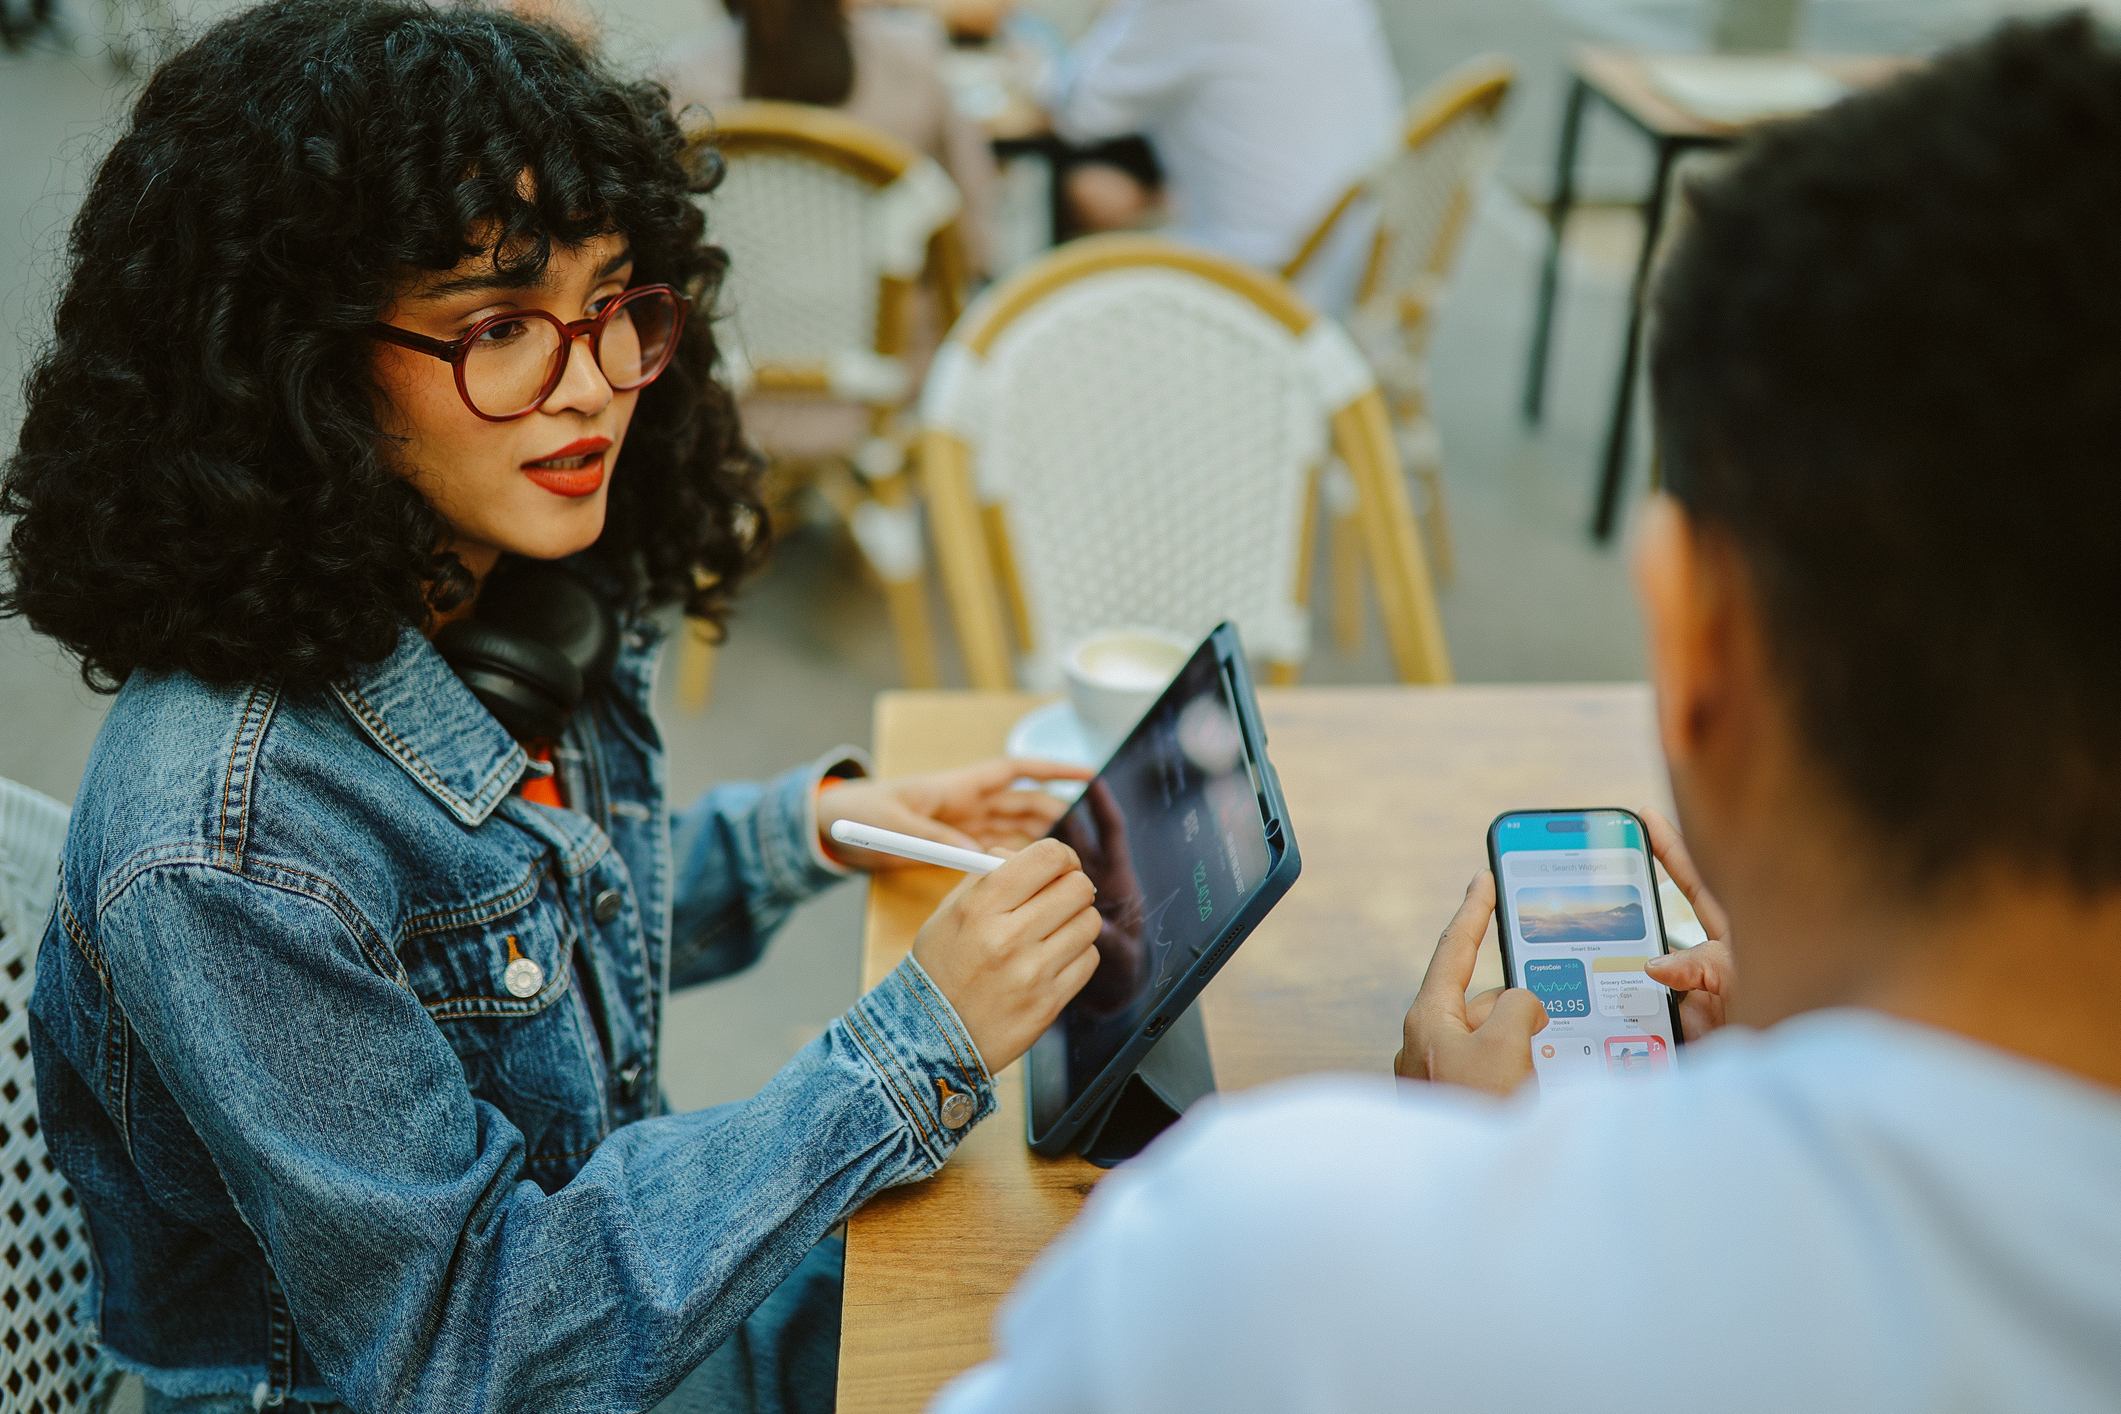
[{"x": 1587, "y": 913}]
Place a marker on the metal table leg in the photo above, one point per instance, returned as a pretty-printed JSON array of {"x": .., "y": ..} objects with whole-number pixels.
[
  {"x": 1050, "y": 152},
  {"x": 1564, "y": 198},
  {"x": 1053, "y": 152},
  {"x": 1616, "y": 446}
]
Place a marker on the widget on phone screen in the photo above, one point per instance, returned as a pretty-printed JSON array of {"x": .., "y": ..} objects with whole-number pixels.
[
  {"x": 1581, "y": 913},
  {"x": 1635, "y": 1055},
  {"x": 1559, "y": 984},
  {"x": 1624, "y": 989}
]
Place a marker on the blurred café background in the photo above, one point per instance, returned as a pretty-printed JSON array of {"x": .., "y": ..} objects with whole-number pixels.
[{"x": 1491, "y": 95}]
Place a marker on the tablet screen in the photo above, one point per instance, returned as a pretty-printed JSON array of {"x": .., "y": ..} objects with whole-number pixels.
[{"x": 1172, "y": 835}]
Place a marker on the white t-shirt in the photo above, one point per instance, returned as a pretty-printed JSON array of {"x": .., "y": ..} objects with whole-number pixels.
[
  {"x": 1844, "y": 1213},
  {"x": 1262, "y": 112}
]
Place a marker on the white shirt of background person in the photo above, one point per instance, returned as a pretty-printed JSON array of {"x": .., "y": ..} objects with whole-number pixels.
[
  {"x": 1262, "y": 114},
  {"x": 1845, "y": 1213}
]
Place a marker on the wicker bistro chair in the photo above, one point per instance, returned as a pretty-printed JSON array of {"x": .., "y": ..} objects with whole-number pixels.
[
  {"x": 1422, "y": 196},
  {"x": 832, "y": 228},
  {"x": 1130, "y": 432},
  {"x": 48, "y": 1363}
]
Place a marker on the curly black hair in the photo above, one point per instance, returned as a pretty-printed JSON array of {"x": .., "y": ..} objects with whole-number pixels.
[
  {"x": 202, "y": 483},
  {"x": 1886, "y": 369}
]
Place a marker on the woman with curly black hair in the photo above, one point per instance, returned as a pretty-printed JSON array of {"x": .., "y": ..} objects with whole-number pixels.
[{"x": 347, "y": 1019}]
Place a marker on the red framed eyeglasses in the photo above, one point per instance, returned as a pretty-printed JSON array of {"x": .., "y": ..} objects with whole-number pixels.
[{"x": 509, "y": 363}]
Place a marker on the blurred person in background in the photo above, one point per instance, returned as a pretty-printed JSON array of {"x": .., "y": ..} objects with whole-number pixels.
[
  {"x": 347, "y": 1022},
  {"x": 1260, "y": 114},
  {"x": 1880, "y": 591},
  {"x": 880, "y": 65}
]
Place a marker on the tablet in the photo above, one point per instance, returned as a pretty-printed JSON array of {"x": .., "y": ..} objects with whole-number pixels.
[{"x": 1185, "y": 834}]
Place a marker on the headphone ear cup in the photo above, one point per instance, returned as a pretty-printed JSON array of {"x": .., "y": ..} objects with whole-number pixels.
[
  {"x": 530, "y": 687},
  {"x": 549, "y": 604}
]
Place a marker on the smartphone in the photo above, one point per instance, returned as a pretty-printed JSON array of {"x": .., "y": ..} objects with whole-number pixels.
[{"x": 1578, "y": 916}]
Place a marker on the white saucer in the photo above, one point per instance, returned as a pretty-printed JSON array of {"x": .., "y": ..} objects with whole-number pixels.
[{"x": 1054, "y": 733}]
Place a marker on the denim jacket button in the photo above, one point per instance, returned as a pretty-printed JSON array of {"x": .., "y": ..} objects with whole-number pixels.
[
  {"x": 957, "y": 1105},
  {"x": 607, "y": 906},
  {"x": 524, "y": 977},
  {"x": 630, "y": 1080}
]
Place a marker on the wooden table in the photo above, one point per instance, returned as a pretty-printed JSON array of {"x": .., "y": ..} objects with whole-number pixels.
[
  {"x": 1624, "y": 82},
  {"x": 1390, "y": 791}
]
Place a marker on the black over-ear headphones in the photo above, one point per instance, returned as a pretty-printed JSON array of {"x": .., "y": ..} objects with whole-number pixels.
[{"x": 540, "y": 639}]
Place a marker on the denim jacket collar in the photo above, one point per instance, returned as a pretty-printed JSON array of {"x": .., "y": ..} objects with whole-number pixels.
[{"x": 423, "y": 717}]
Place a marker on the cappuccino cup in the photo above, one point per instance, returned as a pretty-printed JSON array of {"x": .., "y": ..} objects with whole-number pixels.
[{"x": 1115, "y": 675}]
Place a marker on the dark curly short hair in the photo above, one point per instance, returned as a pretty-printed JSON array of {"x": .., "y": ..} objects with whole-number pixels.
[
  {"x": 202, "y": 483},
  {"x": 1887, "y": 365}
]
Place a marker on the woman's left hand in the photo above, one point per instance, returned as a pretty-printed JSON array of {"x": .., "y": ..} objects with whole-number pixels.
[{"x": 975, "y": 807}]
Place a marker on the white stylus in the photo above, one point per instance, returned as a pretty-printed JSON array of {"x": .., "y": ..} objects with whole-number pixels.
[{"x": 847, "y": 832}]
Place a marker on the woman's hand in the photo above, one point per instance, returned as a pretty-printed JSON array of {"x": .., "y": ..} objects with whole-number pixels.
[
  {"x": 1011, "y": 948},
  {"x": 1703, "y": 973},
  {"x": 1098, "y": 835},
  {"x": 978, "y": 808}
]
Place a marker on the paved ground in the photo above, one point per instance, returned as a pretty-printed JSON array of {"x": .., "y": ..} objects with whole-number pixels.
[{"x": 1533, "y": 601}]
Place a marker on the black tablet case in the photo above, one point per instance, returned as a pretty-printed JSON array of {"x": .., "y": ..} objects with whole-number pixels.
[
  {"x": 1176, "y": 1071},
  {"x": 1175, "y": 1074}
]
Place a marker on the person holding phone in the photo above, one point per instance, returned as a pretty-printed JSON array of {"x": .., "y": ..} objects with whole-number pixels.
[
  {"x": 1448, "y": 1033},
  {"x": 1879, "y": 588},
  {"x": 348, "y": 1021},
  {"x": 1581, "y": 924}
]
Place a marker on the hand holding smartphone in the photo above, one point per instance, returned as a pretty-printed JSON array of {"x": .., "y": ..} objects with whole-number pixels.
[{"x": 1578, "y": 918}]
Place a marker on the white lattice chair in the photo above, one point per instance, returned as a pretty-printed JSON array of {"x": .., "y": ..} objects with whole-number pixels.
[
  {"x": 48, "y": 1364},
  {"x": 1422, "y": 195},
  {"x": 1130, "y": 432},
  {"x": 832, "y": 230}
]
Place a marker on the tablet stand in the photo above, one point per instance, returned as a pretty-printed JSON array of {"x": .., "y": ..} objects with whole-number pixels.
[{"x": 1175, "y": 1074}]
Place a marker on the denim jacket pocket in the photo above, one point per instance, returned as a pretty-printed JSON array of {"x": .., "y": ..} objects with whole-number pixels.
[
  {"x": 503, "y": 987},
  {"x": 505, "y": 956}
]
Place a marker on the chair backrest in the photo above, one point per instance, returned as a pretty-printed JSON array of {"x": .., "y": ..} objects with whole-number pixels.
[
  {"x": 49, "y": 1362},
  {"x": 830, "y": 226},
  {"x": 1128, "y": 432},
  {"x": 1423, "y": 194}
]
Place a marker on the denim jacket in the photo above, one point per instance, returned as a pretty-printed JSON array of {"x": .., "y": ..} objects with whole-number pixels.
[{"x": 349, "y": 1051}]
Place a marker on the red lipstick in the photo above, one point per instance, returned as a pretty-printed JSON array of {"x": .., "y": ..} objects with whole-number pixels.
[{"x": 576, "y": 469}]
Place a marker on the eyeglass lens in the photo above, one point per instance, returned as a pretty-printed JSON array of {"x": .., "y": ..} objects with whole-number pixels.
[{"x": 512, "y": 363}]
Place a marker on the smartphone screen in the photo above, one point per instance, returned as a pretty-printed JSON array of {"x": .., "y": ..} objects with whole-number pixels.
[{"x": 1579, "y": 918}]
